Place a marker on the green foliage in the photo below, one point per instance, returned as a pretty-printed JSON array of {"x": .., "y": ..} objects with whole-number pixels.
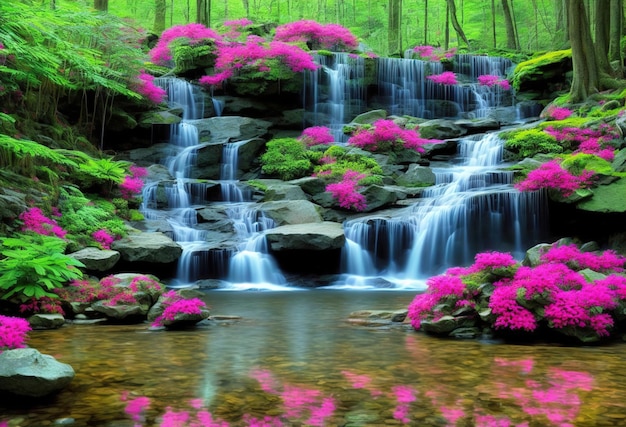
[
  {"x": 257, "y": 184},
  {"x": 189, "y": 56},
  {"x": 530, "y": 142},
  {"x": 103, "y": 171},
  {"x": 532, "y": 69},
  {"x": 577, "y": 163},
  {"x": 343, "y": 160},
  {"x": 286, "y": 158},
  {"x": 34, "y": 265}
]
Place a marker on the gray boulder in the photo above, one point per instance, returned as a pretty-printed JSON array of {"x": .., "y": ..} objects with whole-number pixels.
[
  {"x": 27, "y": 372},
  {"x": 46, "y": 321},
  {"x": 285, "y": 212},
  {"x": 284, "y": 191},
  {"x": 97, "y": 259},
  {"x": 230, "y": 128},
  {"x": 318, "y": 236},
  {"x": 441, "y": 129},
  {"x": 152, "y": 247}
]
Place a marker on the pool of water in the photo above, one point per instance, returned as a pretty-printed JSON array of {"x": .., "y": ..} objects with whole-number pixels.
[{"x": 293, "y": 360}]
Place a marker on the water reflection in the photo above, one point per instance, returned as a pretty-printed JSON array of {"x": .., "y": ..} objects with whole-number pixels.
[{"x": 293, "y": 360}]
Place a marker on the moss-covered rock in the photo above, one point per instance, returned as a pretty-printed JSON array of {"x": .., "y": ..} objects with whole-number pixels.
[
  {"x": 543, "y": 74},
  {"x": 606, "y": 198}
]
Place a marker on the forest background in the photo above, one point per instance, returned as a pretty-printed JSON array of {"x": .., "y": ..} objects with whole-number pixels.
[{"x": 385, "y": 26}]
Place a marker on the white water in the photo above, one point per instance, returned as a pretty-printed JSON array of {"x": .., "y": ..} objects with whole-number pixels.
[{"x": 472, "y": 208}]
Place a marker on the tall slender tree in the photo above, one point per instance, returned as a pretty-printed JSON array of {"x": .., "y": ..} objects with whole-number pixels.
[
  {"x": 455, "y": 23},
  {"x": 615, "y": 34},
  {"x": 511, "y": 41},
  {"x": 101, "y": 5},
  {"x": 394, "y": 28},
  {"x": 159, "y": 16},
  {"x": 203, "y": 12}
]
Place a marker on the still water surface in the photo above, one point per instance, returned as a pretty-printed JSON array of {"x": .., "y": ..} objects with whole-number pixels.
[{"x": 294, "y": 360}]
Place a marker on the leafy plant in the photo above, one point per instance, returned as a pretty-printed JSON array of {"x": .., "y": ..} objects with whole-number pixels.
[
  {"x": 34, "y": 265},
  {"x": 530, "y": 142},
  {"x": 286, "y": 158}
]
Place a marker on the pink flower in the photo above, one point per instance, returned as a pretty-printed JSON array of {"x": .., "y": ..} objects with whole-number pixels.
[
  {"x": 386, "y": 135},
  {"x": 161, "y": 54},
  {"x": 559, "y": 113},
  {"x": 319, "y": 36},
  {"x": 347, "y": 191},
  {"x": 146, "y": 87},
  {"x": 552, "y": 175},
  {"x": 491, "y": 80},
  {"x": 13, "y": 332},
  {"x": 103, "y": 238},
  {"x": 445, "y": 78},
  {"x": 34, "y": 220},
  {"x": 316, "y": 135},
  {"x": 131, "y": 187},
  {"x": 136, "y": 408}
]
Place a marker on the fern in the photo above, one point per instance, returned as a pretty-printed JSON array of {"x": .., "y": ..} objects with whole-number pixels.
[{"x": 34, "y": 265}]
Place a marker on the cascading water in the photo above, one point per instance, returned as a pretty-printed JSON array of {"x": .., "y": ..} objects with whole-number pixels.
[{"x": 472, "y": 208}]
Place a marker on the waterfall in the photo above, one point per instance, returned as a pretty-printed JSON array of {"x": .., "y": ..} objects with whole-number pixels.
[{"x": 472, "y": 208}]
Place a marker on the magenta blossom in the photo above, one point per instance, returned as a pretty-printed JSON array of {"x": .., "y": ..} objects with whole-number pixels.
[
  {"x": 447, "y": 78},
  {"x": 346, "y": 192},
  {"x": 34, "y": 220},
  {"x": 319, "y": 36},
  {"x": 552, "y": 175},
  {"x": 316, "y": 135},
  {"x": 13, "y": 332}
]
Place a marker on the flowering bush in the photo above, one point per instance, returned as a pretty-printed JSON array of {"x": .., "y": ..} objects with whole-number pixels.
[
  {"x": 506, "y": 296},
  {"x": 346, "y": 192},
  {"x": 146, "y": 87},
  {"x": 34, "y": 220},
  {"x": 446, "y": 78},
  {"x": 491, "y": 80},
  {"x": 256, "y": 55},
  {"x": 316, "y": 135},
  {"x": 161, "y": 53},
  {"x": 552, "y": 175},
  {"x": 558, "y": 113},
  {"x": 588, "y": 141},
  {"x": 332, "y": 37},
  {"x": 13, "y": 332},
  {"x": 103, "y": 238},
  {"x": 386, "y": 135},
  {"x": 174, "y": 305},
  {"x": 431, "y": 53}
]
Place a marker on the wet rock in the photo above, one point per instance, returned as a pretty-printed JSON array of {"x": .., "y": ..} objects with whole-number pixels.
[
  {"x": 97, "y": 259},
  {"x": 46, "y": 321},
  {"x": 285, "y": 212},
  {"x": 27, "y": 372},
  {"x": 152, "y": 247},
  {"x": 319, "y": 236}
]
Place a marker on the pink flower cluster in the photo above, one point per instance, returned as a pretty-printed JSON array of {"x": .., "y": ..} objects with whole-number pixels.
[
  {"x": 174, "y": 305},
  {"x": 256, "y": 53},
  {"x": 34, "y": 220},
  {"x": 552, "y": 175},
  {"x": 133, "y": 184},
  {"x": 146, "y": 87},
  {"x": 553, "y": 292},
  {"x": 320, "y": 36},
  {"x": 491, "y": 80},
  {"x": 161, "y": 53},
  {"x": 431, "y": 53},
  {"x": 103, "y": 238},
  {"x": 347, "y": 191},
  {"x": 446, "y": 78},
  {"x": 587, "y": 141},
  {"x": 559, "y": 113},
  {"x": 13, "y": 332},
  {"x": 42, "y": 305},
  {"x": 316, "y": 135},
  {"x": 387, "y": 135}
]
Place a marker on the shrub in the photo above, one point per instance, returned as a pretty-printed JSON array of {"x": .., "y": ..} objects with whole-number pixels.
[
  {"x": 431, "y": 53},
  {"x": 446, "y": 78},
  {"x": 174, "y": 305},
  {"x": 316, "y": 135},
  {"x": 286, "y": 158},
  {"x": 386, "y": 135},
  {"x": 346, "y": 192},
  {"x": 34, "y": 220},
  {"x": 34, "y": 265},
  {"x": 551, "y": 175},
  {"x": 553, "y": 294},
  {"x": 161, "y": 53},
  {"x": 13, "y": 332},
  {"x": 530, "y": 142},
  {"x": 317, "y": 36}
]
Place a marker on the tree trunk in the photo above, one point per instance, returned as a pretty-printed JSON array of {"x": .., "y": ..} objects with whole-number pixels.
[
  {"x": 246, "y": 7},
  {"x": 493, "y": 22},
  {"x": 603, "y": 19},
  {"x": 511, "y": 42},
  {"x": 101, "y": 5},
  {"x": 455, "y": 23},
  {"x": 203, "y": 12},
  {"x": 159, "y": 16},
  {"x": 425, "y": 22},
  {"x": 615, "y": 34},
  {"x": 394, "y": 34},
  {"x": 585, "y": 80}
]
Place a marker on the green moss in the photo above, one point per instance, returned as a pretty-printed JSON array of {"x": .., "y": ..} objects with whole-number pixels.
[
  {"x": 530, "y": 142},
  {"x": 576, "y": 163},
  {"x": 345, "y": 160},
  {"x": 286, "y": 158},
  {"x": 534, "y": 69},
  {"x": 193, "y": 56},
  {"x": 257, "y": 184}
]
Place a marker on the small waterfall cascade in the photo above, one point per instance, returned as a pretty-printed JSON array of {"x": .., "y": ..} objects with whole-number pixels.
[
  {"x": 335, "y": 93},
  {"x": 252, "y": 267},
  {"x": 472, "y": 208}
]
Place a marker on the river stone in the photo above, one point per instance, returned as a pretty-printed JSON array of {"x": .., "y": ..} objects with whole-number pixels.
[
  {"x": 148, "y": 247},
  {"x": 319, "y": 236},
  {"x": 531, "y": 259},
  {"x": 606, "y": 198},
  {"x": 369, "y": 117},
  {"x": 126, "y": 312},
  {"x": 97, "y": 259},
  {"x": 27, "y": 372},
  {"x": 416, "y": 174},
  {"x": 46, "y": 321},
  {"x": 285, "y": 212},
  {"x": 230, "y": 128},
  {"x": 441, "y": 129},
  {"x": 158, "y": 118},
  {"x": 284, "y": 192},
  {"x": 378, "y": 196}
]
